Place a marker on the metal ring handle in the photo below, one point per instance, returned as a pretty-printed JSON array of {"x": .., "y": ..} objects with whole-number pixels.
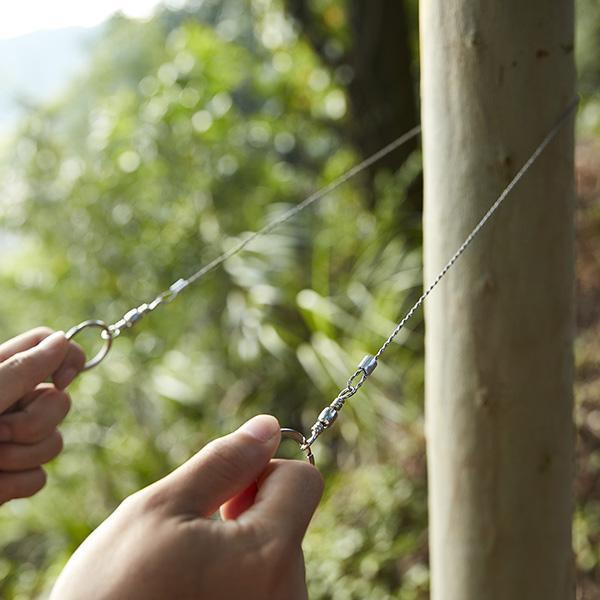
[
  {"x": 106, "y": 335},
  {"x": 292, "y": 434}
]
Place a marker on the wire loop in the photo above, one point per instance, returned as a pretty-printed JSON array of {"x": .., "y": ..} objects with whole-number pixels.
[
  {"x": 106, "y": 336},
  {"x": 292, "y": 434}
]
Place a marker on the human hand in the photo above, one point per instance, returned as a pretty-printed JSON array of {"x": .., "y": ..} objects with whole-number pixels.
[
  {"x": 160, "y": 544},
  {"x": 30, "y": 410}
]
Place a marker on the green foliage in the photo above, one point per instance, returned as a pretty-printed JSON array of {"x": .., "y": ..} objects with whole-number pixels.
[{"x": 184, "y": 134}]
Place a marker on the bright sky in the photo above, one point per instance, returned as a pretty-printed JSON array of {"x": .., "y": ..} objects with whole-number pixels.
[{"x": 25, "y": 16}]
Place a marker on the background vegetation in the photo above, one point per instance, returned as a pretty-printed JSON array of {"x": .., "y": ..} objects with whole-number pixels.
[{"x": 185, "y": 133}]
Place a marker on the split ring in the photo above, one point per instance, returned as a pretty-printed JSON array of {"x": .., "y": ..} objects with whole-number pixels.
[
  {"x": 292, "y": 434},
  {"x": 106, "y": 335}
]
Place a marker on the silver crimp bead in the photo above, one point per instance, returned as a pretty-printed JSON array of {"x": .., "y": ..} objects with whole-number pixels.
[
  {"x": 368, "y": 364},
  {"x": 135, "y": 314},
  {"x": 178, "y": 286},
  {"x": 328, "y": 416}
]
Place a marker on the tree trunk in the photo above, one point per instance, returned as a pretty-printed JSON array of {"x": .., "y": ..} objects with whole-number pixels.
[
  {"x": 495, "y": 77},
  {"x": 381, "y": 92}
]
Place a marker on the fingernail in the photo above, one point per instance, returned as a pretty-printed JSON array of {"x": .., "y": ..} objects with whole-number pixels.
[
  {"x": 52, "y": 340},
  {"x": 262, "y": 427},
  {"x": 5, "y": 434},
  {"x": 64, "y": 378}
]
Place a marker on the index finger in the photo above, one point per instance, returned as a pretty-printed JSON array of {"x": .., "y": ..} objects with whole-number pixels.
[
  {"x": 26, "y": 340},
  {"x": 289, "y": 492},
  {"x": 24, "y": 370}
]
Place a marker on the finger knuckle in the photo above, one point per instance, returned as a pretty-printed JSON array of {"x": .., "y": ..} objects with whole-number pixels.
[
  {"x": 17, "y": 486},
  {"x": 129, "y": 504},
  {"x": 18, "y": 370},
  {"x": 57, "y": 444},
  {"x": 53, "y": 448},
  {"x": 42, "y": 332},
  {"x": 15, "y": 365},
  {"x": 63, "y": 402},
  {"x": 67, "y": 401},
  {"x": 312, "y": 476},
  {"x": 145, "y": 501},
  {"x": 36, "y": 483}
]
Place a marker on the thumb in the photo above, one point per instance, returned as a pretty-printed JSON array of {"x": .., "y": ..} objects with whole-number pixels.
[{"x": 223, "y": 468}]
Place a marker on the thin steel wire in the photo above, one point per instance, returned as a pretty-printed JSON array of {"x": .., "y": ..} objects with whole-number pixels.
[
  {"x": 330, "y": 413},
  {"x": 477, "y": 229},
  {"x": 292, "y": 212},
  {"x": 133, "y": 316}
]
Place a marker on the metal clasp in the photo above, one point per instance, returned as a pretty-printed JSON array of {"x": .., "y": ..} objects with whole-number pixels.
[{"x": 329, "y": 414}]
